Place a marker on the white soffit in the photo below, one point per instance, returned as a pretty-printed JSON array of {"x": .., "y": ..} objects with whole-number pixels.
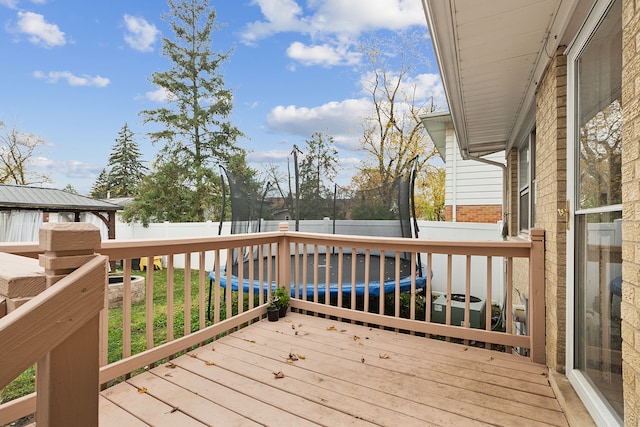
[{"x": 490, "y": 55}]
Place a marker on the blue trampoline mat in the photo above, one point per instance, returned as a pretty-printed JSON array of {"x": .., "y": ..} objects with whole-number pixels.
[{"x": 347, "y": 289}]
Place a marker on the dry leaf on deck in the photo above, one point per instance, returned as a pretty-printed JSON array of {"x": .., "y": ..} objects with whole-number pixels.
[
  {"x": 356, "y": 338},
  {"x": 293, "y": 357},
  {"x": 362, "y": 360},
  {"x": 174, "y": 409},
  {"x": 301, "y": 356},
  {"x": 194, "y": 355},
  {"x": 331, "y": 328},
  {"x": 383, "y": 356},
  {"x": 278, "y": 375},
  {"x": 170, "y": 365},
  {"x": 209, "y": 363},
  {"x": 142, "y": 390}
]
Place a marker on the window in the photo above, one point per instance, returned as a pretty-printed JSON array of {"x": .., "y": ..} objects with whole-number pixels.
[{"x": 526, "y": 184}]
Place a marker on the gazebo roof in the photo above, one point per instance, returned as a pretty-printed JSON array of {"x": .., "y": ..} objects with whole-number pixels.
[{"x": 50, "y": 200}]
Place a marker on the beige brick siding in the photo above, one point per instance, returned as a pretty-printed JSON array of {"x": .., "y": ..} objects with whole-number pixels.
[
  {"x": 631, "y": 211},
  {"x": 551, "y": 163}
]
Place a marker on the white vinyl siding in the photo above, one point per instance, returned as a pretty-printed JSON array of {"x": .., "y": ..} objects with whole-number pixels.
[{"x": 470, "y": 182}]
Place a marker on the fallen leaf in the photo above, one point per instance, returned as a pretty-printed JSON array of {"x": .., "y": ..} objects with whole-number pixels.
[
  {"x": 142, "y": 390},
  {"x": 278, "y": 375},
  {"x": 301, "y": 356},
  {"x": 194, "y": 355},
  {"x": 383, "y": 356},
  {"x": 343, "y": 330},
  {"x": 170, "y": 365},
  {"x": 174, "y": 409},
  {"x": 331, "y": 328},
  {"x": 299, "y": 325},
  {"x": 209, "y": 363},
  {"x": 465, "y": 349},
  {"x": 293, "y": 357},
  {"x": 296, "y": 332},
  {"x": 356, "y": 338},
  {"x": 287, "y": 320},
  {"x": 289, "y": 360},
  {"x": 362, "y": 360},
  {"x": 490, "y": 358},
  {"x": 293, "y": 326},
  {"x": 168, "y": 374}
]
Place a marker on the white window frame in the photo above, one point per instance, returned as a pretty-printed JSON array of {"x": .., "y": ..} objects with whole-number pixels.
[
  {"x": 599, "y": 409},
  {"x": 529, "y": 187}
]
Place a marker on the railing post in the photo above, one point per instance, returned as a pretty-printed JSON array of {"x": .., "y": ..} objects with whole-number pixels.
[
  {"x": 536, "y": 318},
  {"x": 284, "y": 257},
  {"x": 67, "y": 382}
]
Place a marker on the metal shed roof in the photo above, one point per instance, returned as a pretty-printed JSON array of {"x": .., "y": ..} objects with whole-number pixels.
[{"x": 49, "y": 199}]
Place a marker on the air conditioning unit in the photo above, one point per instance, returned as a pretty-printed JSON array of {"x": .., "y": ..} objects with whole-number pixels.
[{"x": 477, "y": 310}]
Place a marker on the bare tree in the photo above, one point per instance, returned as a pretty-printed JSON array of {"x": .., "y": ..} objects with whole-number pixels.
[
  {"x": 393, "y": 135},
  {"x": 17, "y": 150}
]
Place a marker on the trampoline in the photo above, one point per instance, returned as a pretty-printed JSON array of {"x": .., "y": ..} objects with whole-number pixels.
[
  {"x": 305, "y": 288},
  {"x": 391, "y": 201}
]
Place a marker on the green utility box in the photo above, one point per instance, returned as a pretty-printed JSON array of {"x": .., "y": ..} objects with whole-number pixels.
[{"x": 477, "y": 311}]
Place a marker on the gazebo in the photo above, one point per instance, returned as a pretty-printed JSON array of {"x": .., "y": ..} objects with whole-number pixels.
[{"x": 19, "y": 202}]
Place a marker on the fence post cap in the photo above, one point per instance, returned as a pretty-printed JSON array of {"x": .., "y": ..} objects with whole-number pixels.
[{"x": 69, "y": 236}]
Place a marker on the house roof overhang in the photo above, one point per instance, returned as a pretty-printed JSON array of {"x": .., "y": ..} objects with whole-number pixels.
[
  {"x": 492, "y": 56},
  {"x": 436, "y": 126}
]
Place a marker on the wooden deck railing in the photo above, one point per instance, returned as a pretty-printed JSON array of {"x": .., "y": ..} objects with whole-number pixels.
[
  {"x": 59, "y": 330},
  {"x": 267, "y": 258}
]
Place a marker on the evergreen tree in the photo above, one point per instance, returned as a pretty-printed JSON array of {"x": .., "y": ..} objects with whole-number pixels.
[
  {"x": 69, "y": 189},
  {"x": 99, "y": 190},
  {"x": 195, "y": 131},
  {"x": 126, "y": 169}
]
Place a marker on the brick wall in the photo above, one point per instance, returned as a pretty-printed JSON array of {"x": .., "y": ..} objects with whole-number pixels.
[
  {"x": 551, "y": 165},
  {"x": 471, "y": 213},
  {"x": 631, "y": 211}
]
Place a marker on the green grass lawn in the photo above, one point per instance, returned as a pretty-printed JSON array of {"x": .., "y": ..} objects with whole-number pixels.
[{"x": 25, "y": 383}]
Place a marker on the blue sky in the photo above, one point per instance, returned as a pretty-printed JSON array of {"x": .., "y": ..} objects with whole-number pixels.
[{"x": 74, "y": 72}]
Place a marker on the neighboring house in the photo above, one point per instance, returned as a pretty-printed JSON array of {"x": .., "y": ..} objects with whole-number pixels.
[
  {"x": 555, "y": 85},
  {"x": 474, "y": 187},
  {"x": 24, "y": 209}
]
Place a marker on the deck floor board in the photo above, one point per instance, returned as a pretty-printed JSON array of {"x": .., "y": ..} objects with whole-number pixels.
[{"x": 345, "y": 374}]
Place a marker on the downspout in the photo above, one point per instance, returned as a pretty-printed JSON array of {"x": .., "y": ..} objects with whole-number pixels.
[
  {"x": 454, "y": 199},
  {"x": 505, "y": 229}
]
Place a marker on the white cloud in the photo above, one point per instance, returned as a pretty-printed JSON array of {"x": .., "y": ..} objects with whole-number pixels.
[
  {"x": 140, "y": 34},
  {"x": 270, "y": 156},
  {"x": 324, "y": 54},
  {"x": 333, "y": 26},
  {"x": 280, "y": 15},
  {"x": 11, "y": 4},
  {"x": 72, "y": 80},
  {"x": 40, "y": 32},
  {"x": 159, "y": 95},
  {"x": 67, "y": 168},
  {"x": 333, "y": 17},
  {"x": 342, "y": 120}
]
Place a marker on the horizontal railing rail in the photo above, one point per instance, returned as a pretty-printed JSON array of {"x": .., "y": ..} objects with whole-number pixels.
[{"x": 195, "y": 308}]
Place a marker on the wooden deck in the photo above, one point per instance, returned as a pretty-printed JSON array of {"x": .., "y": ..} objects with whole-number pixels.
[{"x": 344, "y": 374}]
